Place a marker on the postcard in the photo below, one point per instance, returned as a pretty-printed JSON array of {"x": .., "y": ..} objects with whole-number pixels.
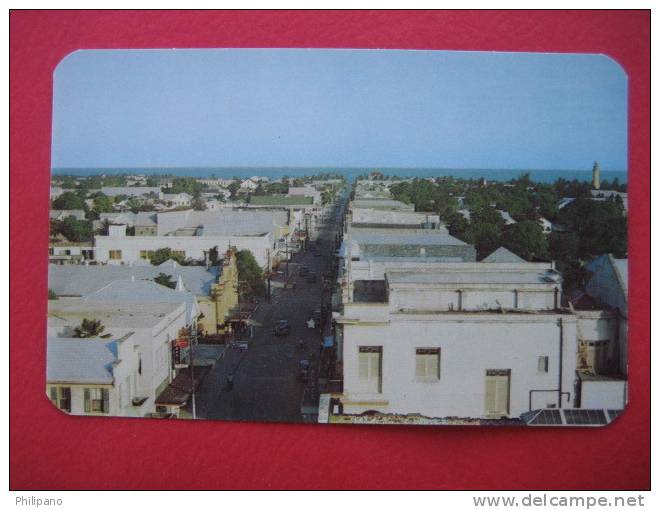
[{"x": 339, "y": 237}]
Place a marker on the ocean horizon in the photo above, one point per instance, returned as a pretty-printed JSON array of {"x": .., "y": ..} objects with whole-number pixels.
[{"x": 544, "y": 176}]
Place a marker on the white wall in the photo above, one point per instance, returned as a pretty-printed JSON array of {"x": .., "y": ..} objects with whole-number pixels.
[
  {"x": 153, "y": 347},
  {"x": 194, "y": 246},
  {"x": 469, "y": 345},
  {"x": 604, "y": 394}
]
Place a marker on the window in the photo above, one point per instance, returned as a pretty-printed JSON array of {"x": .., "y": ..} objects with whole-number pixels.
[
  {"x": 179, "y": 253},
  {"x": 114, "y": 254},
  {"x": 542, "y": 364},
  {"x": 97, "y": 400},
  {"x": 146, "y": 254},
  {"x": 370, "y": 364},
  {"x": 597, "y": 355},
  {"x": 427, "y": 363},
  {"x": 497, "y": 392},
  {"x": 61, "y": 398}
]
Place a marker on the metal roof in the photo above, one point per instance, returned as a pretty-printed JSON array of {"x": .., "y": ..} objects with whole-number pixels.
[
  {"x": 503, "y": 255},
  {"x": 79, "y": 280},
  {"x": 143, "y": 291},
  {"x": 126, "y": 315},
  {"x": 81, "y": 360},
  {"x": 426, "y": 277}
]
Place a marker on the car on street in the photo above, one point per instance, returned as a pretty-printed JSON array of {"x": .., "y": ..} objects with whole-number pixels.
[
  {"x": 303, "y": 370},
  {"x": 282, "y": 328}
]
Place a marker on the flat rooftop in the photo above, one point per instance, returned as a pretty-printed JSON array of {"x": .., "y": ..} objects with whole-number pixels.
[
  {"x": 62, "y": 312},
  {"x": 422, "y": 237},
  {"x": 472, "y": 277}
]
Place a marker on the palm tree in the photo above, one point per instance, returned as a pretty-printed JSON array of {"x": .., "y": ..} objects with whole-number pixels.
[{"x": 89, "y": 328}]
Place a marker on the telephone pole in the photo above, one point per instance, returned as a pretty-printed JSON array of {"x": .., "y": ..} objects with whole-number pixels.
[{"x": 192, "y": 339}]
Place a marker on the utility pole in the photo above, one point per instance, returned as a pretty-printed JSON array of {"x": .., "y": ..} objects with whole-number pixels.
[
  {"x": 268, "y": 278},
  {"x": 192, "y": 339}
]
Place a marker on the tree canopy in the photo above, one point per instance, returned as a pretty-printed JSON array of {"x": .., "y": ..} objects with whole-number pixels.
[
  {"x": 88, "y": 328},
  {"x": 249, "y": 273},
  {"x": 68, "y": 200}
]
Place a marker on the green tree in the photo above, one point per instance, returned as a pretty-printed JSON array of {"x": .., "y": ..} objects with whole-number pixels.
[
  {"x": 67, "y": 201},
  {"x": 51, "y": 295},
  {"x": 459, "y": 227},
  {"x": 250, "y": 273},
  {"x": 214, "y": 256},
  {"x": 600, "y": 226},
  {"x": 198, "y": 204},
  {"x": 74, "y": 230},
  {"x": 185, "y": 185},
  {"x": 527, "y": 240},
  {"x": 233, "y": 188},
  {"x": 89, "y": 328},
  {"x": 163, "y": 254},
  {"x": 486, "y": 237},
  {"x": 166, "y": 280},
  {"x": 102, "y": 204}
]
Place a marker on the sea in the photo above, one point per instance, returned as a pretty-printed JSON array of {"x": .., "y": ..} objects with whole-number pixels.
[{"x": 545, "y": 176}]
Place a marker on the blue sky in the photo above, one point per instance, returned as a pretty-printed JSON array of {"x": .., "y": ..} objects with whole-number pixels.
[{"x": 339, "y": 108}]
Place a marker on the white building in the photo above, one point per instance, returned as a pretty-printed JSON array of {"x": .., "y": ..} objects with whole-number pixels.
[
  {"x": 63, "y": 214},
  {"x": 249, "y": 184},
  {"x": 132, "y": 373},
  {"x": 608, "y": 282},
  {"x": 481, "y": 341},
  {"x": 92, "y": 376},
  {"x": 177, "y": 199},
  {"x": 68, "y": 252},
  {"x": 508, "y": 220},
  {"x": 122, "y": 249},
  {"x": 393, "y": 219},
  {"x": 305, "y": 191},
  {"x": 546, "y": 225},
  {"x": 212, "y": 183},
  {"x": 191, "y": 234},
  {"x": 55, "y": 191},
  {"x": 381, "y": 204},
  {"x": 131, "y": 191}
]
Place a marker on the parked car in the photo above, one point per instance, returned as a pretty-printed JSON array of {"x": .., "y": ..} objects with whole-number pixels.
[
  {"x": 303, "y": 370},
  {"x": 282, "y": 328}
]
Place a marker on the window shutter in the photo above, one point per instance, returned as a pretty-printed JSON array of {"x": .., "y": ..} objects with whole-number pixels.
[
  {"x": 432, "y": 366},
  {"x": 376, "y": 364},
  {"x": 502, "y": 394},
  {"x": 379, "y": 367},
  {"x": 88, "y": 406},
  {"x": 490, "y": 395},
  {"x": 106, "y": 400},
  {"x": 53, "y": 394},
  {"x": 420, "y": 366},
  {"x": 363, "y": 368}
]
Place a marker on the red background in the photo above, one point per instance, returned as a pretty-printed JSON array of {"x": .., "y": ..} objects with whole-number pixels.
[{"x": 49, "y": 450}]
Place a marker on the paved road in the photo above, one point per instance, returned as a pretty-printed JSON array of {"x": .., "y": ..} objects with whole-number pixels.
[{"x": 265, "y": 377}]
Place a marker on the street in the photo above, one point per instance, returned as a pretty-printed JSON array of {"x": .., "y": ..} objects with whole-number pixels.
[{"x": 265, "y": 385}]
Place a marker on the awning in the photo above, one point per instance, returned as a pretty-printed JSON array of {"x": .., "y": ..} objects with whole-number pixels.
[{"x": 179, "y": 390}]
